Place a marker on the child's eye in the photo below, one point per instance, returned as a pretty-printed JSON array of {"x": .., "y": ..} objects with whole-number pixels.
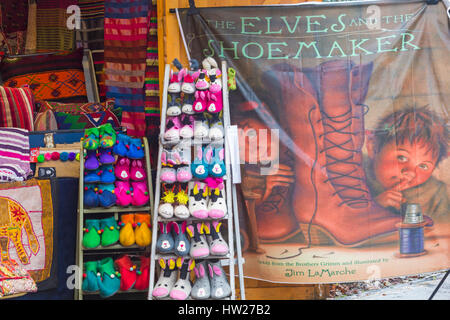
[
  {"x": 423, "y": 166},
  {"x": 402, "y": 158}
]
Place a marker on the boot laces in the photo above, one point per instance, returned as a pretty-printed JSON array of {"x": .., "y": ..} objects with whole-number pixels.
[{"x": 332, "y": 160}]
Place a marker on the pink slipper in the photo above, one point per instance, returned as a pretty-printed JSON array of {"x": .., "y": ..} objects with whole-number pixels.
[
  {"x": 123, "y": 193},
  {"x": 140, "y": 194},
  {"x": 137, "y": 171},
  {"x": 200, "y": 101},
  {"x": 122, "y": 169}
]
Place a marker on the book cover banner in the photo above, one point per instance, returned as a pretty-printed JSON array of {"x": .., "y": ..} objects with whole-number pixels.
[{"x": 342, "y": 112}]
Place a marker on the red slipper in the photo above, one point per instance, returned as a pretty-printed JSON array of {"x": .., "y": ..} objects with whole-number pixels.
[
  {"x": 127, "y": 272},
  {"x": 143, "y": 274}
]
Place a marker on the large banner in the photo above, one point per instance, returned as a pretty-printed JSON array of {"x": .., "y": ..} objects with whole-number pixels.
[{"x": 342, "y": 111}]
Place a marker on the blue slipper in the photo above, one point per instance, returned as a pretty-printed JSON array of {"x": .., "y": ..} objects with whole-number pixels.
[
  {"x": 90, "y": 196},
  {"x": 107, "y": 174},
  {"x": 120, "y": 148},
  {"x": 92, "y": 176},
  {"x": 106, "y": 196},
  {"x": 136, "y": 149}
]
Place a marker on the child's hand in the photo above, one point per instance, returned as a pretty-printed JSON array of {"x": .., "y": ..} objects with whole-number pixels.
[{"x": 393, "y": 197}]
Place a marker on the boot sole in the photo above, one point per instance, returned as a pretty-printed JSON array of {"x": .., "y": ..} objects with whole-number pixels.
[{"x": 320, "y": 236}]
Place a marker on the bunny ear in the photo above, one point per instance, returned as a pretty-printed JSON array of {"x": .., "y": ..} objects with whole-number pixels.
[
  {"x": 201, "y": 270},
  {"x": 190, "y": 231},
  {"x": 172, "y": 263},
  {"x": 169, "y": 226},
  {"x": 222, "y": 154},
  {"x": 212, "y": 97},
  {"x": 195, "y": 74},
  {"x": 217, "y": 270},
  {"x": 209, "y": 154},
  {"x": 196, "y": 94},
  {"x": 211, "y": 273},
  {"x": 202, "y": 95},
  {"x": 199, "y": 152},
  {"x": 180, "y": 261},
  {"x": 183, "y": 226},
  {"x": 191, "y": 264},
  {"x": 161, "y": 227},
  {"x": 176, "y": 228}
]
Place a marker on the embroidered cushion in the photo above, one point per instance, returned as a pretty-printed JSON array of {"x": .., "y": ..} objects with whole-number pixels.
[
  {"x": 68, "y": 121},
  {"x": 45, "y": 121},
  {"x": 75, "y": 108},
  {"x": 16, "y": 108},
  {"x": 15, "y": 279},
  {"x": 55, "y": 77}
]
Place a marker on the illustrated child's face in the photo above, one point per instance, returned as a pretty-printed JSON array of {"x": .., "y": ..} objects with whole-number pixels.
[{"x": 408, "y": 164}]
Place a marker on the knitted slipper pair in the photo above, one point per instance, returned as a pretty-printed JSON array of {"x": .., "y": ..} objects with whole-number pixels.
[
  {"x": 103, "y": 136},
  {"x": 174, "y": 204},
  {"x": 126, "y": 170},
  {"x": 135, "y": 228},
  {"x": 208, "y": 126},
  {"x": 206, "y": 240},
  {"x": 134, "y": 193},
  {"x": 100, "y": 276},
  {"x": 172, "y": 282},
  {"x": 102, "y": 232},
  {"x": 95, "y": 158},
  {"x": 172, "y": 238},
  {"x": 126, "y": 146},
  {"x": 210, "y": 281},
  {"x": 131, "y": 275},
  {"x": 103, "y": 174},
  {"x": 208, "y": 161},
  {"x": 101, "y": 195}
]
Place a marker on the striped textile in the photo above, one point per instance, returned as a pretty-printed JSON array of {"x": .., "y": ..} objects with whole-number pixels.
[
  {"x": 51, "y": 26},
  {"x": 16, "y": 108},
  {"x": 14, "y": 155},
  {"x": 91, "y": 34},
  {"x": 126, "y": 36}
]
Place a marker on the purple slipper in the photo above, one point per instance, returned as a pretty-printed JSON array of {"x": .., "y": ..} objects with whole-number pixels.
[
  {"x": 91, "y": 161},
  {"x": 106, "y": 156}
]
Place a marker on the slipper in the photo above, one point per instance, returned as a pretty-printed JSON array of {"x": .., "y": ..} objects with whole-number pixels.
[
  {"x": 181, "y": 210},
  {"x": 135, "y": 149},
  {"x": 188, "y": 103},
  {"x": 202, "y": 287},
  {"x": 107, "y": 136},
  {"x": 182, "y": 288},
  {"x": 200, "y": 102},
  {"x": 91, "y": 139},
  {"x": 90, "y": 277},
  {"x": 126, "y": 233},
  {"x": 137, "y": 171},
  {"x": 216, "y": 130},
  {"x": 181, "y": 242},
  {"x": 173, "y": 105},
  {"x": 202, "y": 80},
  {"x": 122, "y": 140},
  {"x": 231, "y": 79},
  {"x": 167, "y": 278},
  {"x": 143, "y": 233},
  {"x": 174, "y": 82},
  {"x": 201, "y": 127},
  {"x": 217, "y": 245},
  {"x": 143, "y": 274},
  {"x": 91, "y": 161},
  {"x": 214, "y": 96},
  {"x": 92, "y": 176},
  {"x": 107, "y": 174},
  {"x": 199, "y": 245},
  {"x": 122, "y": 169},
  {"x": 187, "y": 126},
  {"x": 140, "y": 195},
  {"x": 123, "y": 193},
  {"x": 220, "y": 288},
  {"x": 105, "y": 156},
  {"x": 127, "y": 270},
  {"x": 90, "y": 196},
  {"x": 165, "y": 241},
  {"x": 172, "y": 131},
  {"x": 110, "y": 231},
  {"x": 106, "y": 195},
  {"x": 216, "y": 162},
  {"x": 200, "y": 167},
  {"x": 107, "y": 278},
  {"x": 198, "y": 192},
  {"x": 91, "y": 235},
  {"x": 166, "y": 202}
]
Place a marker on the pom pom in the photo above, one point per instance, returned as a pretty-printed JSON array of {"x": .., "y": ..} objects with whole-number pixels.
[
  {"x": 77, "y": 156},
  {"x": 71, "y": 156},
  {"x": 55, "y": 155},
  {"x": 40, "y": 158},
  {"x": 64, "y": 156},
  {"x": 111, "y": 228},
  {"x": 84, "y": 275},
  {"x": 48, "y": 156}
]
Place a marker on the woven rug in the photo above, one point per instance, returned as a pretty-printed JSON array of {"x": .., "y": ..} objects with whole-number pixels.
[{"x": 13, "y": 26}]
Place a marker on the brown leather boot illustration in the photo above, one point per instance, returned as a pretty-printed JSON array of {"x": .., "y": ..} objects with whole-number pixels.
[{"x": 327, "y": 131}]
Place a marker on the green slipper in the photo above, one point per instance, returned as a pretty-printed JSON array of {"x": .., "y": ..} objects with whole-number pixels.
[
  {"x": 110, "y": 231},
  {"x": 108, "y": 279},
  {"x": 90, "y": 277},
  {"x": 91, "y": 139},
  {"x": 107, "y": 136},
  {"x": 91, "y": 236}
]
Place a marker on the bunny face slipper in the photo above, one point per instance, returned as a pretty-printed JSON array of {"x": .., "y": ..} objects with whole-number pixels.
[
  {"x": 181, "y": 245},
  {"x": 167, "y": 278},
  {"x": 200, "y": 102},
  {"x": 202, "y": 287},
  {"x": 199, "y": 244},
  {"x": 165, "y": 242},
  {"x": 182, "y": 288}
]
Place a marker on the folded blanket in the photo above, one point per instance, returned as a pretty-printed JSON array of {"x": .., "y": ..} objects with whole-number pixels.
[{"x": 14, "y": 155}]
